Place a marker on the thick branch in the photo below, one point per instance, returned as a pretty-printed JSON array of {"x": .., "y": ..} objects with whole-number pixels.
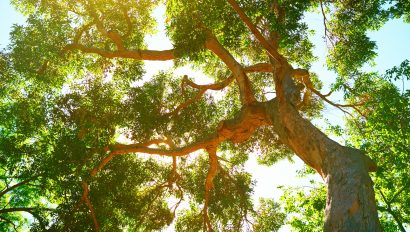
[
  {"x": 119, "y": 149},
  {"x": 112, "y": 154},
  {"x": 159, "y": 55},
  {"x": 247, "y": 96},
  {"x": 17, "y": 209},
  {"x": 237, "y": 130}
]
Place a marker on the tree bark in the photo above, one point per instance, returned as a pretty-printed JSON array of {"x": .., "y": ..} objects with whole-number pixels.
[{"x": 350, "y": 204}]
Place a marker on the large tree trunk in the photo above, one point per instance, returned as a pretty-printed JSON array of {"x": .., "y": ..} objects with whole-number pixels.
[{"x": 350, "y": 204}]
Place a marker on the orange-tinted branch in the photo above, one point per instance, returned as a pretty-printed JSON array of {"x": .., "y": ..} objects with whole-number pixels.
[
  {"x": 237, "y": 130},
  {"x": 111, "y": 155},
  {"x": 87, "y": 202},
  {"x": 209, "y": 185},
  {"x": 246, "y": 92},
  {"x": 261, "y": 67}
]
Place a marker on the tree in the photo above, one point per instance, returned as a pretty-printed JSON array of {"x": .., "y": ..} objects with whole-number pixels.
[
  {"x": 73, "y": 83},
  {"x": 383, "y": 137}
]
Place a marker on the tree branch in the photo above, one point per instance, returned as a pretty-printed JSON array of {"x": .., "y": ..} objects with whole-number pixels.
[
  {"x": 128, "y": 20},
  {"x": 113, "y": 35},
  {"x": 17, "y": 185},
  {"x": 81, "y": 31},
  {"x": 247, "y": 96},
  {"x": 30, "y": 210},
  {"x": 76, "y": 207},
  {"x": 400, "y": 191},
  {"x": 261, "y": 67},
  {"x": 188, "y": 102},
  {"x": 391, "y": 212},
  {"x": 304, "y": 76},
  {"x": 122, "y": 149},
  {"x": 212, "y": 171},
  {"x": 175, "y": 207},
  {"x": 17, "y": 209},
  {"x": 265, "y": 44},
  {"x": 237, "y": 130},
  {"x": 87, "y": 202},
  {"x": 160, "y": 55},
  {"x": 328, "y": 33},
  {"x": 10, "y": 222},
  {"x": 174, "y": 174}
]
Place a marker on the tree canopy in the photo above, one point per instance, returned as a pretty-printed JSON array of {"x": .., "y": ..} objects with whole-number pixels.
[{"x": 88, "y": 142}]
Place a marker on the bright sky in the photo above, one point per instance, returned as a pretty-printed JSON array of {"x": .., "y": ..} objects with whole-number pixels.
[{"x": 393, "y": 47}]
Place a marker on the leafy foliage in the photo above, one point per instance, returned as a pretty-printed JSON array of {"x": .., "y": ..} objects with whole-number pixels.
[
  {"x": 384, "y": 136},
  {"x": 305, "y": 207},
  {"x": 270, "y": 216}
]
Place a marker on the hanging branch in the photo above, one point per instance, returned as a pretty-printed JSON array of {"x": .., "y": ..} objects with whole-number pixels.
[
  {"x": 327, "y": 32},
  {"x": 212, "y": 171},
  {"x": 87, "y": 202}
]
